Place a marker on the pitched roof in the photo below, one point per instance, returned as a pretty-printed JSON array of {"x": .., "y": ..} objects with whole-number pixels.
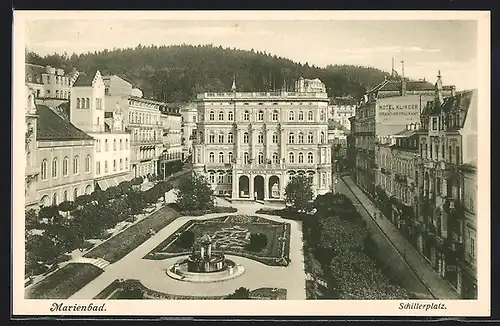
[
  {"x": 84, "y": 80},
  {"x": 51, "y": 126}
]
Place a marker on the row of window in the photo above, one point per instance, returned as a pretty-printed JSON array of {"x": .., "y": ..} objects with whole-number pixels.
[
  {"x": 84, "y": 103},
  {"x": 260, "y": 116},
  {"x": 106, "y": 148},
  {"x": 143, "y": 118},
  {"x": 145, "y": 135},
  {"x": 434, "y": 152},
  {"x": 221, "y": 158},
  {"x": 60, "y": 80},
  {"x": 260, "y": 138},
  {"x": 46, "y": 201},
  {"x": 115, "y": 167},
  {"x": 65, "y": 168}
]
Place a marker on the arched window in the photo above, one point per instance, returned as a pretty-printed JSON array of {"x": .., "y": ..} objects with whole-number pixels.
[
  {"x": 301, "y": 116},
  {"x": 87, "y": 164},
  {"x": 245, "y": 138},
  {"x": 211, "y": 177},
  {"x": 75, "y": 194},
  {"x": 76, "y": 165},
  {"x": 246, "y": 116},
  {"x": 229, "y": 177},
  {"x": 260, "y": 115},
  {"x": 301, "y": 157},
  {"x": 230, "y": 137},
  {"x": 211, "y": 137},
  {"x": 220, "y": 178},
  {"x": 65, "y": 195},
  {"x": 221, "y": 157},
  {"x": 275, "y": 138},
  {"x": 322, "y": 137},
  {"x": 291, "y": 116},
  {"x": 260, "y": 158},
  {"x": 45, "y": 201},
  {"x": 211, "y": 116},
  {"x": 43, "y": 170},
  {"x": 310, "y": 116},
  {"x": 260, "y": 138},
  {"x": 230, "y": 116},
  {"x": 276, "y": 158},
  {"x": 54, "y": 168},
  {"x": 291, "y": 138},
  {"x": 246, "y": 158},
  {"x": 65, "y": 166},
  {"x": 77, "y": 103},
  {"x": 310, "y": 157},
  {"x": 54, "y": 200},
  {"x": 310, "y": 138},
  {"x": 275, "y": 115},
  {"x": 291, "y": 158},
  {"x": 87, "y": 103},
  {"x": 301, "y": 138},
  {"x": 221, "y": 138},
  {"x": 211, "y": 157},
  {"x": 230, "y": 157},
  {"x": 221, "y": 115}
]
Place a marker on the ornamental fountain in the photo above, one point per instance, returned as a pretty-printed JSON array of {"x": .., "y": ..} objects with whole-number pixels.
[{"x": 204, "y": 265}]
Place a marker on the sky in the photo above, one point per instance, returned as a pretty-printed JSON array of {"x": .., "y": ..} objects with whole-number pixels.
[{"x": 425, "y": 46}]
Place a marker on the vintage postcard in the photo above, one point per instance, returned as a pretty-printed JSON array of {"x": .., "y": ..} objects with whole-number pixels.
[{"x": 317, "y": 163}]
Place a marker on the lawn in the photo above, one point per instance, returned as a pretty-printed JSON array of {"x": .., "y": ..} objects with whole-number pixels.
[
  {"x": 120, "y": 245},
  {"x": 64, "y": 283},
  {"x": 231, "y": 234}
]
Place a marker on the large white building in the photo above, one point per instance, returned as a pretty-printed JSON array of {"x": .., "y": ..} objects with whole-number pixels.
[
  {"x": 251, "y": 144},
  {"x": 112, "y": 143},
  {"x": 341, "y": 109},
  {"x": 142, "y": 120},
  {"x": 189, "y": 114}
]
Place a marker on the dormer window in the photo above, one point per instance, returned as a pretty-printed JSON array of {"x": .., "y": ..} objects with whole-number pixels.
[{"x": 434, "y": 123}]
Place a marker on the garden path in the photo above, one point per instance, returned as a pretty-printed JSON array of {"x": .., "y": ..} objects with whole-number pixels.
[{"x": 152, "y": 275}]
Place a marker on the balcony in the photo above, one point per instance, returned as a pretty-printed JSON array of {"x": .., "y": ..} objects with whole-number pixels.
[
  {"x": 256, "y": 166},
  {"x": 146, "y": 142}
]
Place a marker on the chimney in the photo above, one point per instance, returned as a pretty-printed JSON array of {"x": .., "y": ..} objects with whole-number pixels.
[{"x": 439, "y": 88}]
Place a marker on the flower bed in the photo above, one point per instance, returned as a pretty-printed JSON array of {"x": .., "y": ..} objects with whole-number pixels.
[
  {"x": 65, "y": 282},
  {"x": 231, "y": 235},
  {"x": 216, "y": 209}
]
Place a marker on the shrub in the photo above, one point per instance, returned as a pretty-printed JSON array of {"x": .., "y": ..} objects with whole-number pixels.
[
  {"x": 131, "y": 291},
  {"x": 224, "y": 209},
  {"x": 240, "y": 293},
  {"x": 62, "y": 258},
  {"x": 258, "y": 241},
  {"x": 105, "y": 234},
  {"x": 136, "y": 181},
  {"x": 87, "y": 245},
  {"x": 186, "y": 239}
]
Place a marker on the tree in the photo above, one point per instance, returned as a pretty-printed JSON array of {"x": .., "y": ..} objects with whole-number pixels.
[
  {"x": 83, "y": 200},
  {"x": 100, "y": 196},
  {"x": 258, "y": 241},
  {"x": 194, "y": 193},
  {"x": 114, "y": 192},
  {"x": 299, "y": 193},
  {"x": 31, "y": 219},
  {"x": 240, "y": 293},
  {"x": 130, "y": 291},
  {"x": 125, "y": 187},
  {"x": 137, "y": 181},
  {"x": 186, "y": 239},
  {"x": 41, "y": 248},
  {"x": 67, "y": 206},
  {"x": 136, "y": 202}
]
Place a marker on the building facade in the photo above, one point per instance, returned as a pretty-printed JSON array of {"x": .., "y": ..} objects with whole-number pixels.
[
  {"x": 112, "y": 143},
  {"x": 341, "y": 109},
  {"x": 32, "y": 169},
  {"x": 142, "y": 120},
  {"x": 448, "y": 156},
  {"x": 171, "y": 158},
  {"x": 251, "y": 144},
  {"x": 64, "y": 154},
  {"x": 49, "y": 82},
  {"x": 189, "y": 114},
  {"x": 385, "y": 110}
]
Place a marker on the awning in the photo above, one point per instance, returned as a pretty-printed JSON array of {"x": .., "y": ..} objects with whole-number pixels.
[{"x": 110, "y": 182}]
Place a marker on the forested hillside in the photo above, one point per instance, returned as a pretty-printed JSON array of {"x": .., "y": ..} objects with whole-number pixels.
[{"x": 177, "y": 73}]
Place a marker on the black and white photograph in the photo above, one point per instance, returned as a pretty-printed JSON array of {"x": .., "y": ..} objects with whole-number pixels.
[{"x": 265, "y": 156}]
